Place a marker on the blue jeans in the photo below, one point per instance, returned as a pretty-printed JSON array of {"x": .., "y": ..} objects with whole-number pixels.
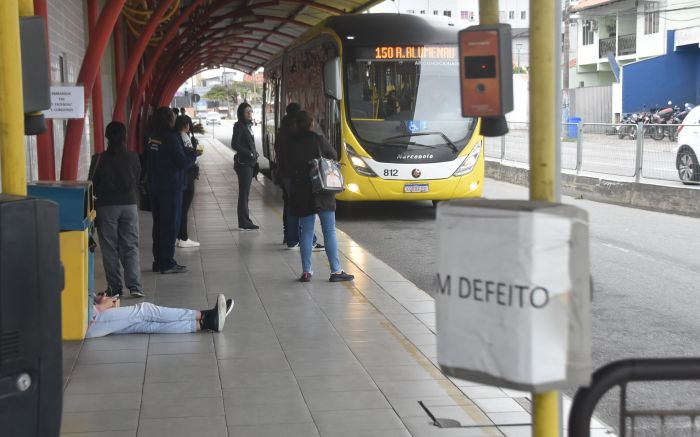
[
  {"x": 143, "y": 318},
  {"x": 292, "y": 227},
  {"x": 307, "y": 237}
]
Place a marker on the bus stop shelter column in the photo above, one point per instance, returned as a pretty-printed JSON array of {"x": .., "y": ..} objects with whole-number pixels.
[
  {"x": 12, "y": 154},
  {"x": 545, "y": 26}
]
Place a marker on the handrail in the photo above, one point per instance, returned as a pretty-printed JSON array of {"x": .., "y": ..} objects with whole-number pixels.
[{"x": 620, "y": 373}]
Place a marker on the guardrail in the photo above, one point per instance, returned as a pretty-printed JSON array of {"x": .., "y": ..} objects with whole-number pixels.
[
  {"x": 604, "y": 148},
  {"x": 621, "y": 373}
]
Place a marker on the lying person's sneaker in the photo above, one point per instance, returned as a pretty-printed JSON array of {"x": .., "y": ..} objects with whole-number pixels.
[
  {"x": 137, "y": 293},
  {"x": 341, "y": 276},
  {"x": 112, "y": 293},
  {"x": 306, "y": 277},
  {"x": 187, "y": 243},
  {"x": 318, "y": 247},
  {"x": 229, "y": 306},
  {"x": 177, "y": 268},
  {"x": 250, "y": 227},
  {"x": 295, "y": 247}
]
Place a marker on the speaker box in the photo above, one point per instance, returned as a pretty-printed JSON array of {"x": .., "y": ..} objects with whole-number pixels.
[{"x": 31, "y": 280}]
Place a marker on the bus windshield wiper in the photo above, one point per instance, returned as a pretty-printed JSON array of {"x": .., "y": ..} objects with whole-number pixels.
[
  {"x": 420, "y": 134},
  {"x": 407, "y": 143}
]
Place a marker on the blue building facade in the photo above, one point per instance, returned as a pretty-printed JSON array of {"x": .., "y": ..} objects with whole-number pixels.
[{"x": 652, "y": 82}]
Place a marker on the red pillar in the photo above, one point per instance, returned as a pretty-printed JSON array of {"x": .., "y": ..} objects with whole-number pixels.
[
  {"x": 118, "y": 39},
  {"x": 87, "y": 75},
  {"x": 134, "y": 59},
  {"x": 44, "y": 142},
  {"x": 97, "y": 113}
]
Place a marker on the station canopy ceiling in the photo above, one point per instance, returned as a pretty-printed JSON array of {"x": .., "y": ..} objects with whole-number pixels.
[{"x": 241, "y": 35}]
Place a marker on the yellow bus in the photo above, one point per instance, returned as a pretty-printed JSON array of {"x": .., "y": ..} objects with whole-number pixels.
[{"x": 384, "y": 90}]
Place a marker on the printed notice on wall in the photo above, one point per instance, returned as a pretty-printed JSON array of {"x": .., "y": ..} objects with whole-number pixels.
[
  {"x": 66, "y": 102},
  {"x": 503, "y": 295}
]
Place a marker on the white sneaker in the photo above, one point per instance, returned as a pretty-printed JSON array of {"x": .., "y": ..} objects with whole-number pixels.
[
  {"x": 221, "y": 309},
  {"x": 187, "y": 243},
  {"x": 295, "y": 247}
]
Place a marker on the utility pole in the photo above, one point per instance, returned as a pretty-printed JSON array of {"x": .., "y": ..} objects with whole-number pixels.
[{"x": 566, "y": 17}]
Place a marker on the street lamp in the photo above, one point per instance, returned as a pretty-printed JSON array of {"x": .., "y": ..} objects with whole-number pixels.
[{"x": 518, "y": 46}]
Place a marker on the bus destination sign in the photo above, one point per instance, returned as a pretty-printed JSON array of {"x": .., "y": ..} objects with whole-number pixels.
[{"x": 412, "y": 52}]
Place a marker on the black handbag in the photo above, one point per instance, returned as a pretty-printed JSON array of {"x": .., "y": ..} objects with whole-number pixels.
[{"x": 325, "y": 175}]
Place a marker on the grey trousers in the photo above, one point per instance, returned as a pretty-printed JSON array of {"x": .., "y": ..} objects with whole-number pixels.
[{"x": 118, "y": 230}]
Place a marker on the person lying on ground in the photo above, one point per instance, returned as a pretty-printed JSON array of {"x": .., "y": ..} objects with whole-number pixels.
[{"x": 147, "y": 318}]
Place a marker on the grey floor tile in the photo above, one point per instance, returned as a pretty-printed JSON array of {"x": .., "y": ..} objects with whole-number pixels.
[
  {"x": 116, "y": 342},
  {"x": 184, "y": 427},
  {"x": 258, "y": 379},
  {"x": 182, "y": 407},
  {"x": 340, "y": 432},
  {"x": 208, "y": 372},
  {"x": 190, "y": 347},
  {"x": 409, "y": 407},
  {"x": 177, "y": 360},
  {"x": 286, "y": 430},
  {"x": 359, "y": 420},
  {"x": 112, "y": 356},
  {"x": 128, "y": 433},
  {"x": 498, "y": 405},
  {"x": 404, "y": 373},
  {"x": 346, "y": 400},
  {"x": 423, "y": 427},
  {"x": 261, "y": 414},
  {"x": 167, "y": 390},
  {"x": 521, "y": 418},
  {"x": 484, "y": 392},
  {"x": 116, "y": 370},
  {"x": 323, "y": 367},
  {"x": 268, "y": 364},
  {"x": 104, "y": 385},
  {"x": 517, "y": 431},
  {"x": 90, "y": 421},
  {"x": 76, "y": 403},
  {"x": 348, "y": 382},
  {"x": 405, "y": 389},
  {"x": 261, "y": 395}
]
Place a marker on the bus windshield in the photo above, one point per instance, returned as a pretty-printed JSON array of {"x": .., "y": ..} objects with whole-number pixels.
[{"x": 406, "y": 96}]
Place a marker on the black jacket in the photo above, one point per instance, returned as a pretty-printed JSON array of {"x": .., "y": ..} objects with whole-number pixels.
[
  {"x": 302, "y": 148},
  {"x": 166, "y": 163},
  {"x": 284, "y": 134},
  {"x": 115, "y": 177},
  {"x": 243, "y": 143}
]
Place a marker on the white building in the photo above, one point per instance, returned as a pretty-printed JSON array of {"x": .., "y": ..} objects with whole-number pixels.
[
  {"x": 629, "y": 29},
  {"x": 464, "y": 13}
]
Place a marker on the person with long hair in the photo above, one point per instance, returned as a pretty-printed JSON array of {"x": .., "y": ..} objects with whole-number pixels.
[
  {"x": 166, "y": 182},
  {"x": 182, "y": 126},
  {"x": 115, "y": 176},
  {"x": 244, "y": 163},
  {"x": 306, "y": 204}
]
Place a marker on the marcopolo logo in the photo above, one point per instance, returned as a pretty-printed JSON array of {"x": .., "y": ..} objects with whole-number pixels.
[
  {"x": 416, "y": 173},
  {"x": 406, "y": 156},
  {"x": 493, "y": 292}
]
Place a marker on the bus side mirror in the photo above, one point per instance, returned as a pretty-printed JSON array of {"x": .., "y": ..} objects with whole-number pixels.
[{"x": 331, "y": 79}]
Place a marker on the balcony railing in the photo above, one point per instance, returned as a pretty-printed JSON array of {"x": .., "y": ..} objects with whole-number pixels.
[{"x": 628, "y": 45}]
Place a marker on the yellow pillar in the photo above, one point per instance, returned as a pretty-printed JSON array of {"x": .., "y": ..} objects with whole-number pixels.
[
  {"x": 26, "y": 8},
  {"x": 543, "y": 163},
  {"x": 488, "y": 11}
]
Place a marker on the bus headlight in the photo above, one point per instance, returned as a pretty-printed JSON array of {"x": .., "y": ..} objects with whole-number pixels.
[
  {"x": 358, "y": 163},
  {"x": 469, "y": 162}
]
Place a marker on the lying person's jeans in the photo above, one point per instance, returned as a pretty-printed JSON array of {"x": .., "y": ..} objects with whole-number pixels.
[{"x": 144, "y": 318}]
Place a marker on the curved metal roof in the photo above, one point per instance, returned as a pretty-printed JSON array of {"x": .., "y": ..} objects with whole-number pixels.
[{"x": 238, "y": 34}]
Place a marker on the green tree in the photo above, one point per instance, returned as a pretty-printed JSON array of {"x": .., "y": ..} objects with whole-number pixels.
[{"x": 231, "y": 92}]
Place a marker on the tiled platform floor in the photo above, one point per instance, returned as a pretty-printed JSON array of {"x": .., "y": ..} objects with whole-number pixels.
[{"x": 294, "y": 360}]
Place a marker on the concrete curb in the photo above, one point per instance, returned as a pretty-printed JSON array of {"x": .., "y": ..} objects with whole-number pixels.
[{"x": 647, "y": 196}]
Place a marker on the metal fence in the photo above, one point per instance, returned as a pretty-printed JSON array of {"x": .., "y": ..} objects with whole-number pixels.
[
  {"x": 601, "y": 148},
  {"x": 634, "y": 421}
]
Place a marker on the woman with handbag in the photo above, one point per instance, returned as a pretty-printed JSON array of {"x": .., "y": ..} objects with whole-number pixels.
[
  {"x": 182, "y": 125},
  {"x": 115, "y": 177},
  {"x": 305, "y": 204},
  {"x": 245, "y": 163}
]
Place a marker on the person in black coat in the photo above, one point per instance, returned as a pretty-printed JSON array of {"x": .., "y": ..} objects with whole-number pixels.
[
  {"x": 166, "y": 182},
  {"x": 308, "y": 145},
  {"x": 245, "y": 162}
]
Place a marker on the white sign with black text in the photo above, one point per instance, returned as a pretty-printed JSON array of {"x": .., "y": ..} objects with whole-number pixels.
[
  {"x": 509, "y": 304},
  {"x": 66, "y": 102}
]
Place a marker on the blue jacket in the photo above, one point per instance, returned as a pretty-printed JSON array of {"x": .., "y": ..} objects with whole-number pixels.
[{"x": 166, "y": 163}]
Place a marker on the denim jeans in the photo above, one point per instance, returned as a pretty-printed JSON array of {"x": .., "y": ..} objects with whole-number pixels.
[
  {"x": 143, "y": 318},
  {"x": 293, "y": 226},
  {"x": 118, "y": 231},
  {"x": 307, "y": 236}
]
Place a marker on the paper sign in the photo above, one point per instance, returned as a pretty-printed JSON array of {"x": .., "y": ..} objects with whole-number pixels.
[{"x": 66, "y": 102}]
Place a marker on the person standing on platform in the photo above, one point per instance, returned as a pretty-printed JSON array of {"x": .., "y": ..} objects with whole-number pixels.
[
  {"x": 191, "y": 174},
  {"x": 166, "y": 165},
  {"x": 115, "y": 176},
  {"x": 290, "y": 222},
  {"x": 306, "y": 205},
  {"x": 245, "y": 163}
]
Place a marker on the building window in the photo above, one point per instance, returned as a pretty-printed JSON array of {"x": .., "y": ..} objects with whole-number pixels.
[
  {"x": 651, "y": 17},
  {"x": 587, "y": 32},
  {"x": 511, "y": 15},
  {"x": 447, "y": 13},
  {"x": 435, "y": 12},
  {"x": 464, "y": 15},
  {"x": 523, "y": 15},
  {"x": 411, "y": 11},
  {"x": 422, "y": 11}
]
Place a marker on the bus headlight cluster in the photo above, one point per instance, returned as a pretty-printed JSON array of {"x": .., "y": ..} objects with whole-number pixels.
[
  {"x": 469, "y": 162},
  {"x": 358, "y": 163}
]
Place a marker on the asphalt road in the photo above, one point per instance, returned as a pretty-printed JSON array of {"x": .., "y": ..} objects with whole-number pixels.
[
  {"x": 644, "y": 264},
  {"x": 645, "y": 267}
]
